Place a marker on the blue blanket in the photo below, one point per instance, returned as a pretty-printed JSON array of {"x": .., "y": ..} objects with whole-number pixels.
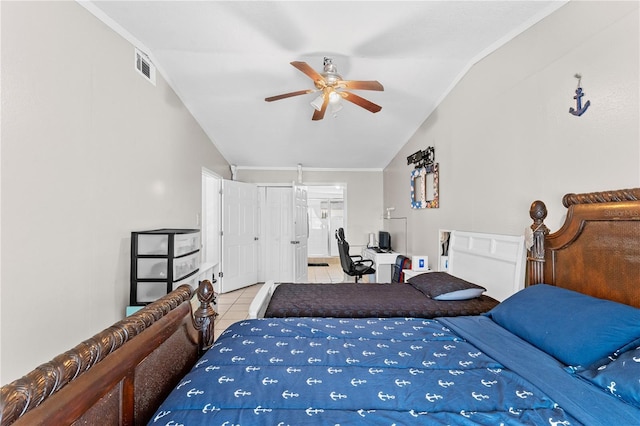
[
  {"x": 353, "y": 371},
  {"x": 586, "y": 402}
]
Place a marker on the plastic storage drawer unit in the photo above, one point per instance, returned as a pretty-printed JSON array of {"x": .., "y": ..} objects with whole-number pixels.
[{"x": 161, "y": 259}]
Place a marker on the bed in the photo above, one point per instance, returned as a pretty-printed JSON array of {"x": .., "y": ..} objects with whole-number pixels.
[
  {"x": 373, "y": 300},
  {"x": 477, "y": 261},
  {"x": 456, "y": 370}
]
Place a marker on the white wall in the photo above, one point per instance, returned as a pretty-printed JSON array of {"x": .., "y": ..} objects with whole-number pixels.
[
  {"x": 90, "y": 152},
  {"x": 503, "y": 136},
  {"x": 363, "y": 194}
]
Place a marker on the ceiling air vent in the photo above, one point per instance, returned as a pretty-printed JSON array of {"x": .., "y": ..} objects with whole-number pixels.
[{"x": 145, "y": 67}]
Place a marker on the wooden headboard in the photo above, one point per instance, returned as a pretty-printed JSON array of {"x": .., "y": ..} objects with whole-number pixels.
[{"x": 597, "y": 249}]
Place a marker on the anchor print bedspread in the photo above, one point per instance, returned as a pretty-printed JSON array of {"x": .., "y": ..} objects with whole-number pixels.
[{"x": 352, "y": 371}]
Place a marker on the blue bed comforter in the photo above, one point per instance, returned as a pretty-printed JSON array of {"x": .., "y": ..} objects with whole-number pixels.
[{"x": 361, "y": 371}]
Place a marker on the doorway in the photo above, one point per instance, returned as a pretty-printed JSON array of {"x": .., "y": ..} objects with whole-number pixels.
[
  {"x": 210, "y": 225},
  {"x": 326, "y": 213}
]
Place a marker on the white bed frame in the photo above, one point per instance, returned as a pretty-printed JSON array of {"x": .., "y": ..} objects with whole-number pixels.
[
  {"x": 493, "y": 261},
  {"x": 496, "y": 262},
  {"x": 261, "y": 300}
]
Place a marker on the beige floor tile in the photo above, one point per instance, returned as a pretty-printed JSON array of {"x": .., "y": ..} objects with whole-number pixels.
[
  {"x": 252, "y": 290},
  {"x": 239, "y": 306},
  {"x": 225, "y": 304},
  {"x": 225, "y": 301},
  {"x": 235, "y": 316},
  {"x": 221, "y": 312}
]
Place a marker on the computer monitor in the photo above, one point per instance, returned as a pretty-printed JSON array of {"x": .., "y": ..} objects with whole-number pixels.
[{"x": 384, "y": 240}]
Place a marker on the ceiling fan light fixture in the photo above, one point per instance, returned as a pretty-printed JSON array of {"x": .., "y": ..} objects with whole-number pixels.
[
  {"x": 317, "y": 103},
  {"x": 334, "y": 104}
]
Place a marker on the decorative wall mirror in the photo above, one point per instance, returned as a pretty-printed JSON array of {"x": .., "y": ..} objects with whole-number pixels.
[{"x": 425, "y": 187}]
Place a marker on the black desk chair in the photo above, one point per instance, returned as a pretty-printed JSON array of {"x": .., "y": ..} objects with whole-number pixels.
[
  {"x": 356, "y": 268},
  {"x": 402, "y": 263}
]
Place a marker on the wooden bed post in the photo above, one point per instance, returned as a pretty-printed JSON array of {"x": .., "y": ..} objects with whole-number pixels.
[
  {"x": 204, "y": 316},
  {"x": 535, "y": 257}
]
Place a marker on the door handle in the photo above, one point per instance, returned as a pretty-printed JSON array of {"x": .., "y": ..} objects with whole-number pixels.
[{"x": 295, "y": 242}]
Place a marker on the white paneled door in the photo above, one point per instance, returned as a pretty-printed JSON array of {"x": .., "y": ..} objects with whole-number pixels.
[
  {"x": 239, "y": 241},
  {"x": 285, "y": 234},
  {"x": 277, "y": 233}
]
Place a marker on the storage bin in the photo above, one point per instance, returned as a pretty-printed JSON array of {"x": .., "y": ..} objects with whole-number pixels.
[
  {"x": 147, "y": 292},
  {"x": 152, "y": 268},
  {"x": 160, "y": 260},
  {"x": 183, "y": 266},
  {"x": 186, "y": 243},
  {"x": 153, "y": 244}
]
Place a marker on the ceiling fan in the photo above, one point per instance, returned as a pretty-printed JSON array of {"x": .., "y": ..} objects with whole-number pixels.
[{"x": 332, "y": 86}]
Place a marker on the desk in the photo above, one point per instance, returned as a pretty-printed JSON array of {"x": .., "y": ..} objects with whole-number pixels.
[{"x": 382, "y": 262}]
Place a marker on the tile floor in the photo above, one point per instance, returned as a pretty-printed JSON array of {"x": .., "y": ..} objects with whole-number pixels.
[
  {"x": 234, "y": 306},
  {"x": 323, "y": 274}
]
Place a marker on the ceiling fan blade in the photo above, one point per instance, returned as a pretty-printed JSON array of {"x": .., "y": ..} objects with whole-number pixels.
[
  {"x": 310, "y": 72},
  {"x": 288, "y": 95},
  {"x": 362, "y": 102},
  {"x": 361, "y": 85},
  {"x": 319, "y": 115}
]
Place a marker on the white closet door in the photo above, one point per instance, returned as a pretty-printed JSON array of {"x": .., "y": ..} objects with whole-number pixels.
[
  {"x": 285, "y": 234},
  {"x": 239, "y": 235},
  {"x": 278, "y": 234}
]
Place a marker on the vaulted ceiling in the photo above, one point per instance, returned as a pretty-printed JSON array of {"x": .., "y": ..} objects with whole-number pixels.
[{"x": 223, "y": 58}]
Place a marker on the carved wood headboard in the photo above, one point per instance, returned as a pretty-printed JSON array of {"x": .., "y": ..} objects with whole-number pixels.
[{"x": 597, "y": 249}]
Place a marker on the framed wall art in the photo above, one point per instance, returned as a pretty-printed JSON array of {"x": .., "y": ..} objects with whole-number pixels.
[{"x": 425, "y": 187}]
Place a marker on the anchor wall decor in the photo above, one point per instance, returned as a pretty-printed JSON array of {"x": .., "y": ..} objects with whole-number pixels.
[{"x": 579, "y": 109}]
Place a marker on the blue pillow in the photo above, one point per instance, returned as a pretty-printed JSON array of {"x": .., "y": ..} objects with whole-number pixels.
[
  {"x": 620, "y": 377},
  {"x": 574, "y": 328}
]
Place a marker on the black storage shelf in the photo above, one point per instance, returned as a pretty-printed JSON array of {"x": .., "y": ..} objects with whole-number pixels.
[{"x": 160, "y": 258}]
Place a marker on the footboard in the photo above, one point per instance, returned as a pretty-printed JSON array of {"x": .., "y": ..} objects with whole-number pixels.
[{"x": 120, "y": 375}]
